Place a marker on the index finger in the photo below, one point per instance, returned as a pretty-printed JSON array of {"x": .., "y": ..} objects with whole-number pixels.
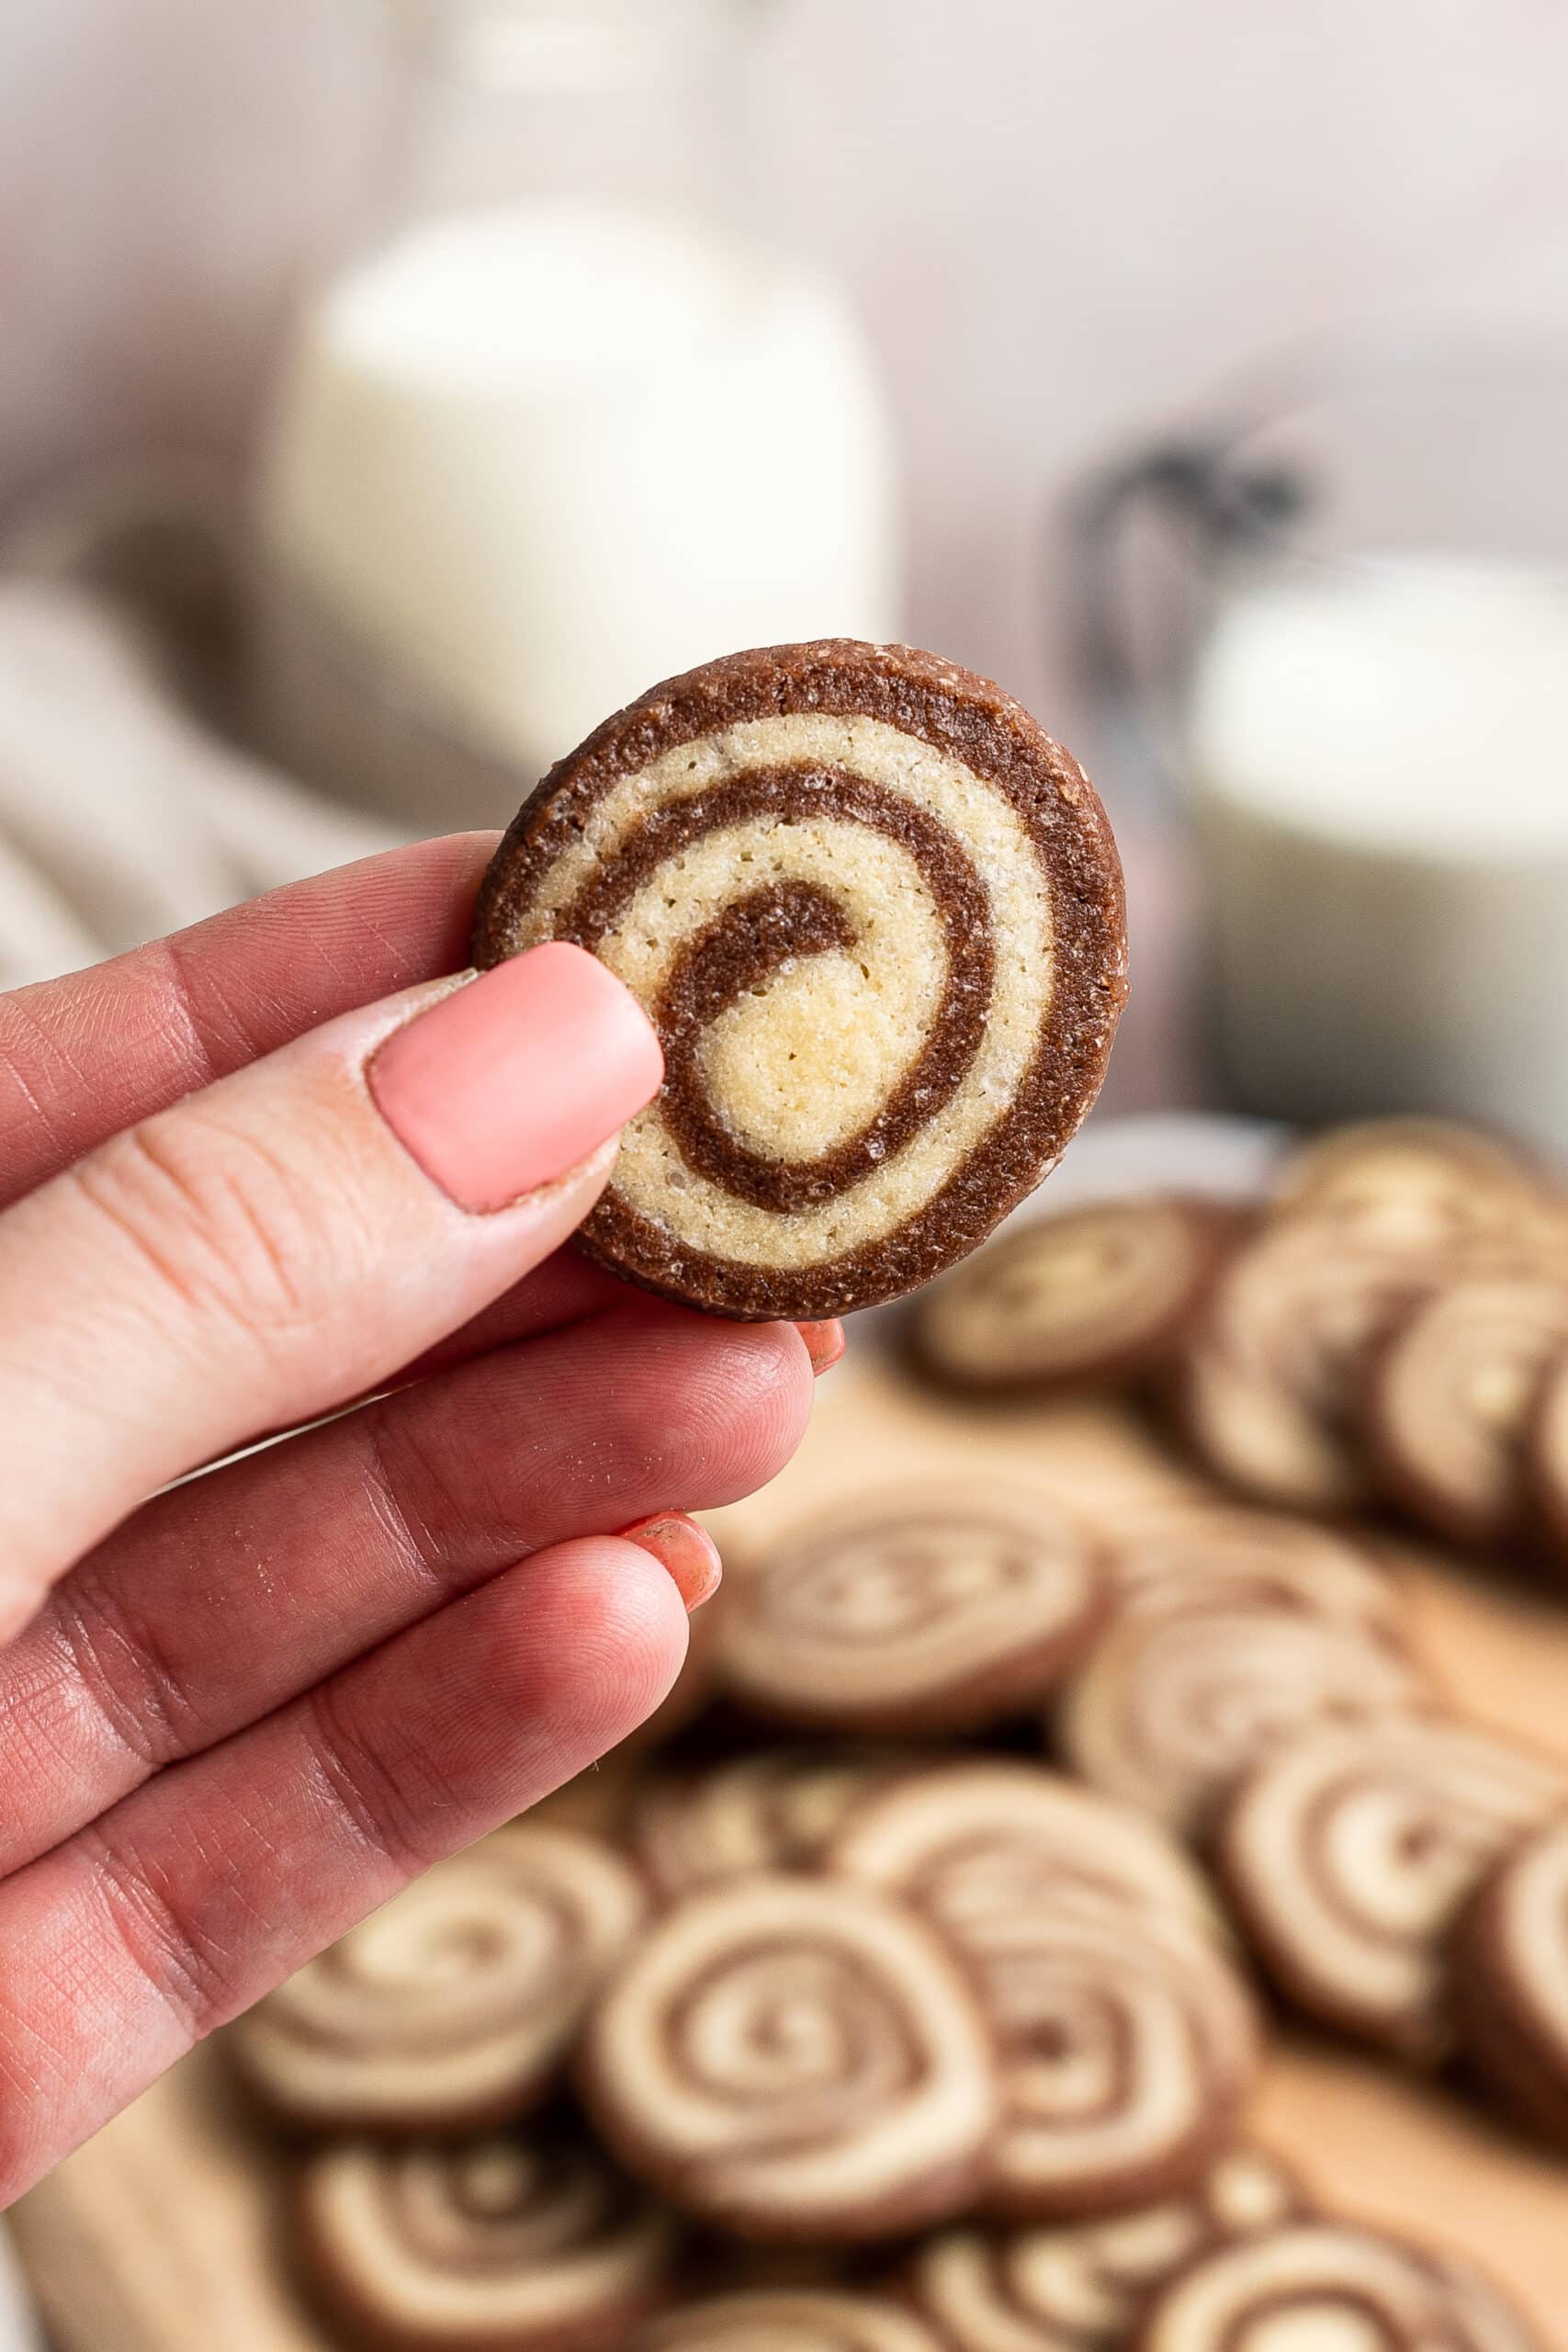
[{"x": 83, "y": 1057}]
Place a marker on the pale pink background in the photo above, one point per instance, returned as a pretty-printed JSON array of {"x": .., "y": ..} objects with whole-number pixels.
[
  {"x": 1064, "y": 219},
  {"x": 1062, "y": 216}
]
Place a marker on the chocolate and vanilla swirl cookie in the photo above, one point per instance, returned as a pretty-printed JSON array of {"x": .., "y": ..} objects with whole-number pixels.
[
  {"x": 1175, "y": 1703},
  {"x": 789, "y": 2320},
  {"x": 1509, "y": 1981},
  {"x": 968, "y": 1842},
  {"x": 1222, "y": 1555},
  {"x": 1418, "y": 1184},
  {"x": 875, "y": 916},
  {"x": 1095, "y": 1294},
  {"x": 1127, "y": 2040},
  {"x": 1332, "y": 2286},
  {"x": 1080, "y": 2288},
  {"x": 776, "y": 1809},
  {"x": 1268, "y": 1389},
  {"x": 1349, "y": 1852},
  {"x": 1548, "y": 1467},
  {"x": 1453, "y": 1398},
  {"x": 921, "y": 1611},
  {"x": 532, "y": 2245},
  {"x": 796, "y": 2058},
  {"x": 455, "y": 2005}
]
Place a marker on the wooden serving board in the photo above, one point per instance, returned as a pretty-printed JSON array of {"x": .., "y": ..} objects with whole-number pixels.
[{"x": 162, "y": 2235}]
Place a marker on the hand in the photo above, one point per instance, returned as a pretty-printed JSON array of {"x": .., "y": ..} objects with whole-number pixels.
[{"x": 235, "y": 1195}]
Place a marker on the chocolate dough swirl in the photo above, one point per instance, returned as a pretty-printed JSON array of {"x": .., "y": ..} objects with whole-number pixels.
[
  {"x": 1334, "y": 2288},
  {"x": 1350, "y": 1850},
  {"x": 1509, "y": 1981},
  {"x": 795, "y": 2058},
  {"x": 923, "y": 1611},
  {"x": 455, "y": 2005},
  {"x": 535, "y": 2243},
  {"x": 875, "y": 916}
]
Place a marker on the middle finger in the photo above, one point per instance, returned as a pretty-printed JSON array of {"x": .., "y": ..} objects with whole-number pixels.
[{"x": 221, "y": 1599}]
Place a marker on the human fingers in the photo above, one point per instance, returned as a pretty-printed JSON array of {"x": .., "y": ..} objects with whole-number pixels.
[
  {"x": 207, "y": 1886},
  {"x": 286, "y": 1238},
  {"x": 228, "y": 1596},
  {"x": 83, "y": 1057}
]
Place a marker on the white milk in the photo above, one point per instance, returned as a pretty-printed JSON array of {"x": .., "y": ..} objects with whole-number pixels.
[
  {"x": 1380, "y": 755},
  {"x": 543, "y": 457}
]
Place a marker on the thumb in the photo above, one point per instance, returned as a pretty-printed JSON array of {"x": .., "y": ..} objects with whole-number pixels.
[{"x": 289, "y": 1236}]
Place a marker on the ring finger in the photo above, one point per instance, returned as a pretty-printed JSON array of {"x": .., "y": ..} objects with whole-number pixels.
[{"x": 224, "y": 1599}]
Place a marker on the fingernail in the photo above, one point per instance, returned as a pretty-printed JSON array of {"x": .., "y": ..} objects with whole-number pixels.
[
  {"x": 684, "y": 1550},
  {"x": 825, "y": 1344},
  {"x": 516, "y": 1077}
]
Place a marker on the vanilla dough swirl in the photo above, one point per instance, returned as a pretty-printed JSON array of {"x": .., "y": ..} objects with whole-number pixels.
[
  {"x": 1332, "y": 2286},
  {"x": 1217, "y": 1554},
  {"x": 1455, "y": 1394},
  {"x": 1511, "y": 1981},
  {"x": 970, "y": 1842},
  {"x": 776, "y": 1809},
  {"x": 795, "y": 2058},
  {"x": 1127, "y": 2039},
  {"x": 1094, "y": 1295},
  {"x": 453, "y": 2006},
  {"x": 1079, "y": 2287},
  {"x": 465, "y": 2245},
  {"x": 1269, "y": 1384},
  {"x": 1175, "y": 1703},
  {"x": 1352, "y": 1848},
  {"x": 875, "y": 917},
  {"x": 925, "y": 1611}
]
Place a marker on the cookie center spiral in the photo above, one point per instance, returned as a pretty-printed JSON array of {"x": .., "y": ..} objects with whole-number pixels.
[{"x": 845, "y": 937}]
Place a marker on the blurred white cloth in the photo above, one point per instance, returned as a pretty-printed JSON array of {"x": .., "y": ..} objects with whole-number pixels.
[{"x": 122, "y": 816}]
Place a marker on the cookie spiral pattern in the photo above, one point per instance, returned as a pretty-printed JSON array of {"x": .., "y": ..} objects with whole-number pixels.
[
  {"x": 1417, "y": 1183},
  {"x": 971, "y": 1842},
  {"x": 1510, "y": 1982},
  {"x": 455, "y": 2005},
  {"x": 1547, "y": 1468},
  {"x": 461, "y": 2247},
  {"x": 875, "y": 916},
  {"x": 1332, "y": 2287},
  {"x": 1126, "y": 2037},
  {"x": 795, "y": 2057},
  {"x": 930, "y": 1610},
  {"x": 1351, "y": 1849},
  {"x": 1080, "y": 2289},
  {"x": 1269, "y": 1384},
  {"x": 779, "y": 2321},
  {"x": 1228, "y": 1555},
  {"x": 775, "y": 1810},
  {"x": 1094, "y": 1295},
  {"x": 1174, "y": 1704},
  {"x": 1454, "y": 1397}
]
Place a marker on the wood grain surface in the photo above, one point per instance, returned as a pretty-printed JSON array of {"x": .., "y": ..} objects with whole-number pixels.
[{"x": 164, "y": 2233}]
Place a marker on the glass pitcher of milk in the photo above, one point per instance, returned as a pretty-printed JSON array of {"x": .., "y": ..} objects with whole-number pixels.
[
  {"x": 1353, "y": 634},
  {"x": 560, "y": 427}
]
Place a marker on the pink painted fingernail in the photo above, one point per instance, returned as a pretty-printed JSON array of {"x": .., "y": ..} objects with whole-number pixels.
[
  {"x": 825, "y": 1343},
  {"x": 684, "y": 1550},
  {"x": 518, "y": 1075}
]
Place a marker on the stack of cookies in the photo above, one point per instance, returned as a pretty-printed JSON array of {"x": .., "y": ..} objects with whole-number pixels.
[
  {"x": 1391, "y": 1332},
  {"x": 849, "y": 2022},
  {"x": 852, "y": 2024}
]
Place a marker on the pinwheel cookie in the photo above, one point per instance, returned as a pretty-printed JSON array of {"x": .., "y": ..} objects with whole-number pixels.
[
  {"x": 453, "y": 2006},
  {"x": 534, "y": 2244},
  {"x": 875, "y": 916}
]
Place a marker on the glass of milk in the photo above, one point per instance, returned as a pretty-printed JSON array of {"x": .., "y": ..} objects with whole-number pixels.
[
  {"x": 560, "y": 426},
  {"x": 1363, "y": 634}
]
